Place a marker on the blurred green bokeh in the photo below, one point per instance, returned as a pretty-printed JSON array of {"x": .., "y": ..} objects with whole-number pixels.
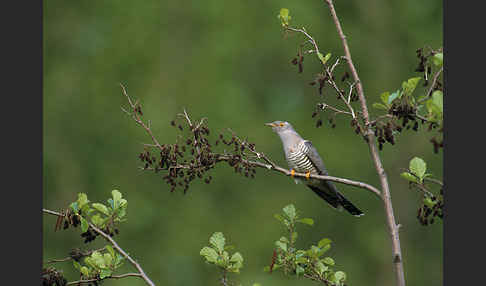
[{"x": 228, "y": 61}]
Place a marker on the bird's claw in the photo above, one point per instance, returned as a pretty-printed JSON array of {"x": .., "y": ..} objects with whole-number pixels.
[{"x": 307, "y": 175}]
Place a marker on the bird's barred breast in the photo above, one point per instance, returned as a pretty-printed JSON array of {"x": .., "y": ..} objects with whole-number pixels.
[{"x": 299, "y": 161}]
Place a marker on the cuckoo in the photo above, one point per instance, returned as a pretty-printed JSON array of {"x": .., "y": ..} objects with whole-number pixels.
[{"x": 302, "y": 157}]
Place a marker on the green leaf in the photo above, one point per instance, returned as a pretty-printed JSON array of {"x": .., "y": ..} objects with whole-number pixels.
[
  {"x": 236, "y": 257},
  {"x": 428, "y": 202},
  {"x": 77, "y": 265},
  {"x": 284, "y": 239},
  {"x": 394, "y": 96},
  {"x": 328, "y": 261},
  {"x": 313, "y": 251},
  {"x": 418, "y": 167},
  {"x": 340, "y": 276},
  {"x": 121, "y": 211},
  {"x": 111, "y": 203},
  {"x": 324, "y": 242},
  {"x": 284, "y": 16},
  {"x": 97, "y": 220},
  {"x": 101, "y": 208},
  {"x": 323, "y": 250},
  {"x": 437, "y": 100},
  {"x": 119, "y": 259},
  {"x": 409, "y": 177},
  {"x": 110, "y": 250},
  {"x": 290, "y": 212},
  {"x": 299, "y": 270},
  {"x": 410, "y": 85},
  {"x": 74, "y": 206},
  {"x": 384, "y": 97},
  {"x": 438, "y": 59},
  {"x": 301, "y": 259},
  {"x": 82, "y": 200},
  {"x": 86, "y": 210},
  {"x": 108, "y": 259},
  {"x": 84, "y": 224},
  {"x": 327, "y": 57},
  {"x": 379, "y": 106},
  {"x": 97, "y": 259},
  {"x": 218, "y": 241},
  {"x": 85, "y": 271},
  {"x": 105, "y": 273},
  {"x": 116, "y": 198},
  {"x": 308, "y": 221},
  {"x": 281, "y": 245},
  {"x": 324, "y": 59},
  {"x": 209, "y": 253},
  {"x": 223, "y": 260},
  {"x": 237, "y": 261},
  {"x": 320, "y": 267},
  {"x": 90, "y": 262},
  {"x": 123, "y": 203}
]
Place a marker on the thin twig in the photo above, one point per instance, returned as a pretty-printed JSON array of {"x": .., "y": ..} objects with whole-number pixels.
[
  {"x": 431, "y": 88},
  {"x": 115, "y": 245},
  {"x": 325, "y": 105},
  {"x": 386, "y": 197},
  {"x": 434, "y": 181},
  {"x": 87, "y": 253},
  {"x": 137, "y": 118},
  {"x": 109, "y": 277},
  {"x": 424, "y": 189},
  {"x": 326, "y": 68}
]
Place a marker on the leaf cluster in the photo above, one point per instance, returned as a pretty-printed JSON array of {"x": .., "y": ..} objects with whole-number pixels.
[
  {"x": 217, "y": 254},
  {"x": 309, "y": 263},
  {"x": 432, "y": 205},
  {"x": 406, "y": 110},
  {"x": 100, "y": 264},
  {"x": 100, "y": 215}
]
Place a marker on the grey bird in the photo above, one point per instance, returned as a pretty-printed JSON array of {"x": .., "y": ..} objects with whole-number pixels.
[{"x": 302, "y": 157}]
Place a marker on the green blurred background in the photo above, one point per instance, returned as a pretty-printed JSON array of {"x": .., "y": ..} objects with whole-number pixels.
[{"x": 228, "y": 61}]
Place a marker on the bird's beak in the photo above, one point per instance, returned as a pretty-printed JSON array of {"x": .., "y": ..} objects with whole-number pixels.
[{"x": 270, "y": 124}]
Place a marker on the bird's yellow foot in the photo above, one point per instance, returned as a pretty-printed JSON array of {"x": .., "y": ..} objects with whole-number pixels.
[
  {"x": 307, "y": 175},
  {"x": 292, "y": 173}
]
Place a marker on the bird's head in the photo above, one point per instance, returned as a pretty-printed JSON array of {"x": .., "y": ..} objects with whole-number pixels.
[{"x": 280, "y": 126}]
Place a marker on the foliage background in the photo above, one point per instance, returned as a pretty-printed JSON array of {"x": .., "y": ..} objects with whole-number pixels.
[{"x": 228, "y": 61}]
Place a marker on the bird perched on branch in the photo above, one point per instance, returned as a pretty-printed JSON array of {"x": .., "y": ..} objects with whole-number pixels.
[{"x": 302, "y": 157}]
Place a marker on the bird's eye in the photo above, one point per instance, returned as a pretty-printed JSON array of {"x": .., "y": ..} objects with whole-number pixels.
[{"x": 281, "y": 124}]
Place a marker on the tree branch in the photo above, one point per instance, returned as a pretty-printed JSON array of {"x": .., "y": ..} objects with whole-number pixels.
[
  {"x": 115, "y": 245},
  {"x": 269, "y": 165},
  {"x": 392, "y": 225}
]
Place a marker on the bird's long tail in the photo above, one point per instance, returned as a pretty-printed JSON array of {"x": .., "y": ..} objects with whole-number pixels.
[{"x": 335, "y": 199}]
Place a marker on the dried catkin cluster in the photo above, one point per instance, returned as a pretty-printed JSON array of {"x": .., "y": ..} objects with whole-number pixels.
[{"x": 192, "y": 156}]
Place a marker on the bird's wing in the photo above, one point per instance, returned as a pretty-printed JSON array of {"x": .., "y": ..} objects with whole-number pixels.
[
  {"x": 317, "y": 162},
  {"x": 315, "y": 158}
]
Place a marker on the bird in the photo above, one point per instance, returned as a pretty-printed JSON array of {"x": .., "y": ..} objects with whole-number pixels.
[{"x": 302, "y": 157}]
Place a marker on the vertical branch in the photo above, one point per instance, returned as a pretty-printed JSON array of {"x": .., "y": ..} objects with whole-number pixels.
[{"x": 385, "y": 194}]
